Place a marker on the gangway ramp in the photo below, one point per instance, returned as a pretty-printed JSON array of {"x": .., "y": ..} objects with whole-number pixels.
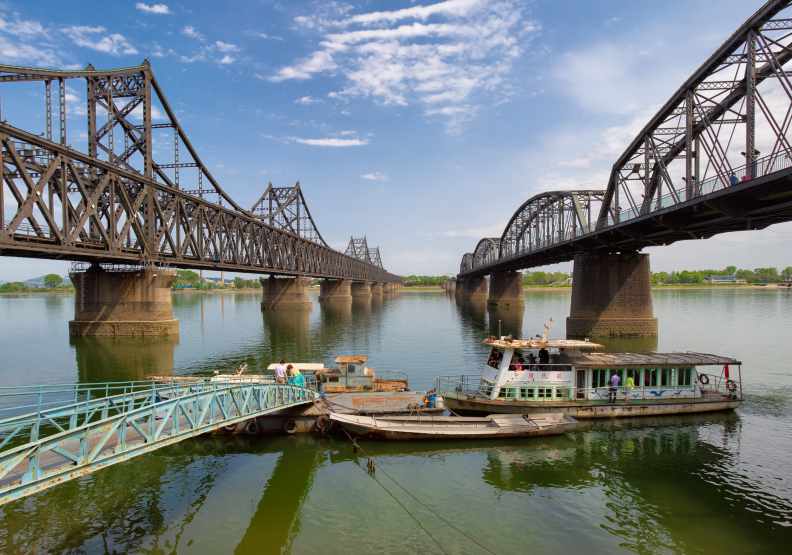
[{"x": 91, "y": 426}]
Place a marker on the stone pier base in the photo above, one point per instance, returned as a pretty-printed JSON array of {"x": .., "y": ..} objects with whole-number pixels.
[
  {"x": 361, "y": 290},
  {"x": 123, "y": 303},
  {"x": 611, "y": 296},
  {"x": 335, "y": 291},
  {"x": 376, "y": 289},
  {"x": 505, "y": 290},
  {"x": 284, "y": 293},
  {"x": 472, "y": 288}
]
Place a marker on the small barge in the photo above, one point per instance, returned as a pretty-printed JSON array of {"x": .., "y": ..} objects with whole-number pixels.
[
  {"x": 496, "y": 426},
  {"x": 570, "y": 377}
]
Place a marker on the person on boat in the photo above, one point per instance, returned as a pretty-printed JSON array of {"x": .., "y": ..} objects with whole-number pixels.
[
  {"x": 280, "y": 372},
  {"x": 615, "y": 380},
  {"x": 430, "y": 399},
  {"x": 531, "y": 359},
  {"x": 544, "y": 356},
  {"x": 629, "y": 385}
]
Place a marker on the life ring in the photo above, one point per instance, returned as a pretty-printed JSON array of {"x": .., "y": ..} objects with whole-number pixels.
[
  {"x": 230, "y": 429},
  {"x": 704, "y": 379},
  {"x": 290, "y": 426},
  {"x": 321, "y": 424},
  {"x": 731, "y": 386},
  {"x": 251, "y": 427}
]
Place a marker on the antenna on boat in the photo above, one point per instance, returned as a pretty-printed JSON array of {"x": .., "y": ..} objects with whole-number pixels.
[{"x": 547, "y": 326}]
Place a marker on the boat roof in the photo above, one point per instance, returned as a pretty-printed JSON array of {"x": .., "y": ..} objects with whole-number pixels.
[
  {"x": 611, "y": 360},
  {"x": 345, "y": 359},
  {"x": 299, "y": 365},
  {"x": 539, "y": 343}
]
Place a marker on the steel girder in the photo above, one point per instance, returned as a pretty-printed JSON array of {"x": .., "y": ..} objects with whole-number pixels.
[
  {"x": 75, "y": 439},
  {"x": 119, "y": 203},
  {"x": 72, "y": 206},
  {"x": 285, "y": 208},
  {"x": 730, "y": 120}
]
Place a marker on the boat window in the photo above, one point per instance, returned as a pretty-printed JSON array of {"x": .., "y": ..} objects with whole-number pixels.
[
  {"x": 562, "y": 393},
  {"x": 665, "y": 376},
  {"x": 507, "y": 392},
  {"x": 527, "y": 393},
  {"x": 599, "y": 377},
  {"x": 684, "y": 376},
  {"x": 517, "y": 362},
  {"x": 635, "y": 374},
  {"x": 544, "y": 393},
  {"x": 651, "y": 377},
  {"x": 495, "y": 358}
]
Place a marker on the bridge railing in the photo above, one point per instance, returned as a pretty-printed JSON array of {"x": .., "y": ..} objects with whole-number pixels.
[{"x": 766, "y": 165}]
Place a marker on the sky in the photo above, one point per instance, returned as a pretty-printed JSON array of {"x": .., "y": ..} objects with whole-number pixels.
[{"x": 420, "y": 124}]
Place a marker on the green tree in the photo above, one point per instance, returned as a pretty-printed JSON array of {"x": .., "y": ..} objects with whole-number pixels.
[
  {"x": 787, "y": 272},
  {"x": 52, "y": 281}
]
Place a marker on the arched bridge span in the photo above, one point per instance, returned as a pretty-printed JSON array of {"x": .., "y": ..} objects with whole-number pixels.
[{"x": 716, "y": 157}]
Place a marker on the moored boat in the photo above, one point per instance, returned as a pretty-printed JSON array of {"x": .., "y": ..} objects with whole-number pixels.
[
  {"x": 494, "y": 426},
  {"x": 570, "y": 377}
]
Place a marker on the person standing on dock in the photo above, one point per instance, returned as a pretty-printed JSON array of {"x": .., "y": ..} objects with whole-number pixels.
[
  {"x": 629, "y": 385},
  {"x": 615, "y": 380},
  {"x": 280, "y": 372}
]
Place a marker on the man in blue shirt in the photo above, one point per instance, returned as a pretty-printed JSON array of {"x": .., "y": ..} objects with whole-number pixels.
[{"x": 615, "y": 380}]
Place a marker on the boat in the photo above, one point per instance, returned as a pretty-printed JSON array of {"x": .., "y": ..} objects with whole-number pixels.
[
  {"x": 573, "y": 377},
  {"x": 352, "y": 375},
  {"x": 495, "y": 426}
]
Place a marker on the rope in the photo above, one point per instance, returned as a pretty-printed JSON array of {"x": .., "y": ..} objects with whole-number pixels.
[{"x": 420, "y": 502}]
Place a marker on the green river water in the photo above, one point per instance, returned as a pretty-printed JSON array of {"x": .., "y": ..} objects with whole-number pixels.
[{"x": 699, "y": 484}]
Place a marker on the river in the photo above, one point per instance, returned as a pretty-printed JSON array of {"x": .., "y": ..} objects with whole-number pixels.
[{"x": 700, "y": 484}]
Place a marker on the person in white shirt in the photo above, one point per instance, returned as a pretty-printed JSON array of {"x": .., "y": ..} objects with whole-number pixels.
[{"x": 280, "y": 372}]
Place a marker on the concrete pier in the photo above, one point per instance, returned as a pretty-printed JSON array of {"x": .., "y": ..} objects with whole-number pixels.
[
  {"x": 361, "y": 290},
  {"x": 335, "y": 291},
  {"x": 376, "y": 289},
  {"x": 123, "y": 303},
  {"x": 284, "y": 293},
  {"x": 472, "y": 288},
  {"x": 611, "y": 296},
  {"x": 505, "y": 290}
]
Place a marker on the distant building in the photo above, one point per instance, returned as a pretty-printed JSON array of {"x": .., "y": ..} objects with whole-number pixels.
[{"x": 724, "y": 280}]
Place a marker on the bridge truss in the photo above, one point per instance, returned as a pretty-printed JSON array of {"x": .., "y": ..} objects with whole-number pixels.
[
  {"x": 94, "y": 426},
  {"x": 716, "y": 157},
  {"x": 116, "y": 202}
]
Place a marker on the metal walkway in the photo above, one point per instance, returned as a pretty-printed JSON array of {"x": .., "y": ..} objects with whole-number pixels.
[{"x": 50, "y": 434}]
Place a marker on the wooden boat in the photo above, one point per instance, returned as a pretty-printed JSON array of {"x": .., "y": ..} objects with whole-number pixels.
[{"x": 494, "y": 426}]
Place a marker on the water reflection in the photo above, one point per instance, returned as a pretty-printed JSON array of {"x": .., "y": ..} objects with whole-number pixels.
[
  {"x": 123, "y": 358},
  {"x": 288, "y": 330},
  {"x": 506, "y": 320}
]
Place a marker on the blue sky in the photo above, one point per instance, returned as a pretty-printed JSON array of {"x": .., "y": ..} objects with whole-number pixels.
[{"x": 422, "y": 124}]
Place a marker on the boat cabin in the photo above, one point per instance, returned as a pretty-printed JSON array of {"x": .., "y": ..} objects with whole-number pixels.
[
  {"x": 352, "y": 374},
  {"x": 542, "y": 370}
]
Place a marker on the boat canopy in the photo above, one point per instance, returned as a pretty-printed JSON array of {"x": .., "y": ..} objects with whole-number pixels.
[
  {"x": 351, "y": 359},
  {"x": 653, "y": 360},
  {"x": 540, "y": 343}
]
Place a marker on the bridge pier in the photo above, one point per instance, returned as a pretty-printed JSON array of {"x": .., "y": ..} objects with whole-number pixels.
[
  {"x": 376, "y": 289},
  {"x": 361, "y": 291},
  {"x": 284, "y": 293},
  {"x": 123, "y": 303},
  {"x": 335, "y": 291},
  {"x": 611, "y": 296},
  {"x": 472, "y": 288},
  {"x": 505, "y": 290}
]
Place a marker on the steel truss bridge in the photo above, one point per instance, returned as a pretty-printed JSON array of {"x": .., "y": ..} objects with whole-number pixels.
[
  {"x": 717, "y": 157},
  {"x": 113, "y": 202},
  {"x": 69, "y": 431}
]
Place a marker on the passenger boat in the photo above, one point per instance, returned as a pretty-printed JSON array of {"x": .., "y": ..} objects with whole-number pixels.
[
  {"x": 352, "y": 375},
  {"x": 495, "y": 426},
  {"x": 571, "y": 377}
]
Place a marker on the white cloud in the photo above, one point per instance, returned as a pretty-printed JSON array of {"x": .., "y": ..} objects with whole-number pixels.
[
  {"x": 261, "y": 35},
  {"x": 374, "y": 176},
  {"x": 447, "y": 56},
  {"x": 332, "y": 142},
  {"x": 18, "y": 52},
  {"x": 307, "y": 100},
  {"x": 158, "y": 9},
  {"x": 225, "y": 46},
  {"x": 95, "y": 39},
  {"x": 191, "y": 32},
  {"x": 225, "y": 60}
]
